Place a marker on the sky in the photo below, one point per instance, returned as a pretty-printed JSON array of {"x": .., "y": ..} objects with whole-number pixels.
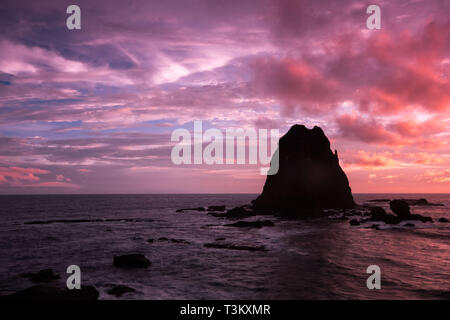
[{"x": 93, "y": 110}]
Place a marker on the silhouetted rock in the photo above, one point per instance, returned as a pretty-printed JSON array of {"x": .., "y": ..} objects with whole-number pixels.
[
  {"x": 420, "y": 202},
  {"x": 354, "y": 222},
  {"x": 409, "y": 224},
  {"x": 131, "y": 261},
  {"x": 309, "y": 177},
  {"x": 400, "y": 208},
  {"x": 411, "y": 202},
  {"x": 377, "y": 213},
  {"x": 216, "y": 208},
  {"x": 419, "y": 217},
  {"x": 443, "y": 220},
  {"x": 180, "y": 241},
  {"x": 45, "y": 275},
  {"x": 191, "y": 209},
  {"x": 234, "y": 247},
  {"x": 252, "y": 224},
  {"x": 47, "y": 292},
  {"x": 120, "y": 290},
  {"x": 238, "y": 212}
]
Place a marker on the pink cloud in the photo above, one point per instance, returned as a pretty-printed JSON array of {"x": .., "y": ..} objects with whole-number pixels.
[{"x": 17, "y": 175}]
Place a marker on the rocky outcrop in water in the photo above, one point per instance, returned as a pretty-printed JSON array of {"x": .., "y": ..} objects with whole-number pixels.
[
  {"x": 412, "y": 202},
  {"x": 120, "y": 290},
  {"x": 400, "y": 208},
  {"x": 251, "y": 224},
  {"x": 309, "y": 177},
  {"x": 402, "y": 213},
  {"x": 129, "y": 261},
  {"x": 45, "y": 275},
  {"x": 234, "y": 246}
]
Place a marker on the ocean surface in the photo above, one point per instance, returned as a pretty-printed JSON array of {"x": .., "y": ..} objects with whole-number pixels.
[{"x": 305, "y": 259}]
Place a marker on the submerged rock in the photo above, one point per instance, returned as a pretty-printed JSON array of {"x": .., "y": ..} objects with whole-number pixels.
[
  {"x": 252, "y": 224},
  {"x": 47, "y": 292},
  {"x": 238, "y": 212},
  {"x": 419, "y": 217},
  {"x": 174, "y": 240},
  {"x": 309, "y": 177},
  {"x": 45, "y": 275},
  {"x": 216, "y": 208},
  {"x": 234, "y": 247},
  {"x": 131, "y": 261},
  {"x": 120, "y": 290},
  {"x": 191, "y": 209}
]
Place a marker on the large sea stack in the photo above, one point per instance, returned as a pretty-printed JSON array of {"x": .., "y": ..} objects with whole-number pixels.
[{"x": 309, "y": 177}]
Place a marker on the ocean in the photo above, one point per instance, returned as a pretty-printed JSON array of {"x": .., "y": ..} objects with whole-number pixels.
[{"x": 304, "y": 259}]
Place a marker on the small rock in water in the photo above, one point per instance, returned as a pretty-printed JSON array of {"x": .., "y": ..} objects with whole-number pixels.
[
  {"x": 400, "y": 208},
  {"x": 191, "y": 209},
  {"x": 238, "y": 212},
  {"x": 410, "y": 224},
  {"x": 45, "y": 275},
  {"x": 354, "y": 222},
  {"x": 420, "y": 218},
  {"x": 150, "y": 240},
  {"x": 120, "y": 290},
  {"x": 379, "y": 214},
  {"x": 179, "y": 241},
  {"x": 234, "y": 247},
  {"x": 174, "y": 240},
  {"x": 252, "y": 224},
  {"x": 46, "y": 292},
  {"x": 131, "y": 261},
  {"x": 443, "y": 220},
  {"x": 216, "y": 208}
]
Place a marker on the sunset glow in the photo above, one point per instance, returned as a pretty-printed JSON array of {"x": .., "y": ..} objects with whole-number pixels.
[{"x": 92, "y": 110}]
